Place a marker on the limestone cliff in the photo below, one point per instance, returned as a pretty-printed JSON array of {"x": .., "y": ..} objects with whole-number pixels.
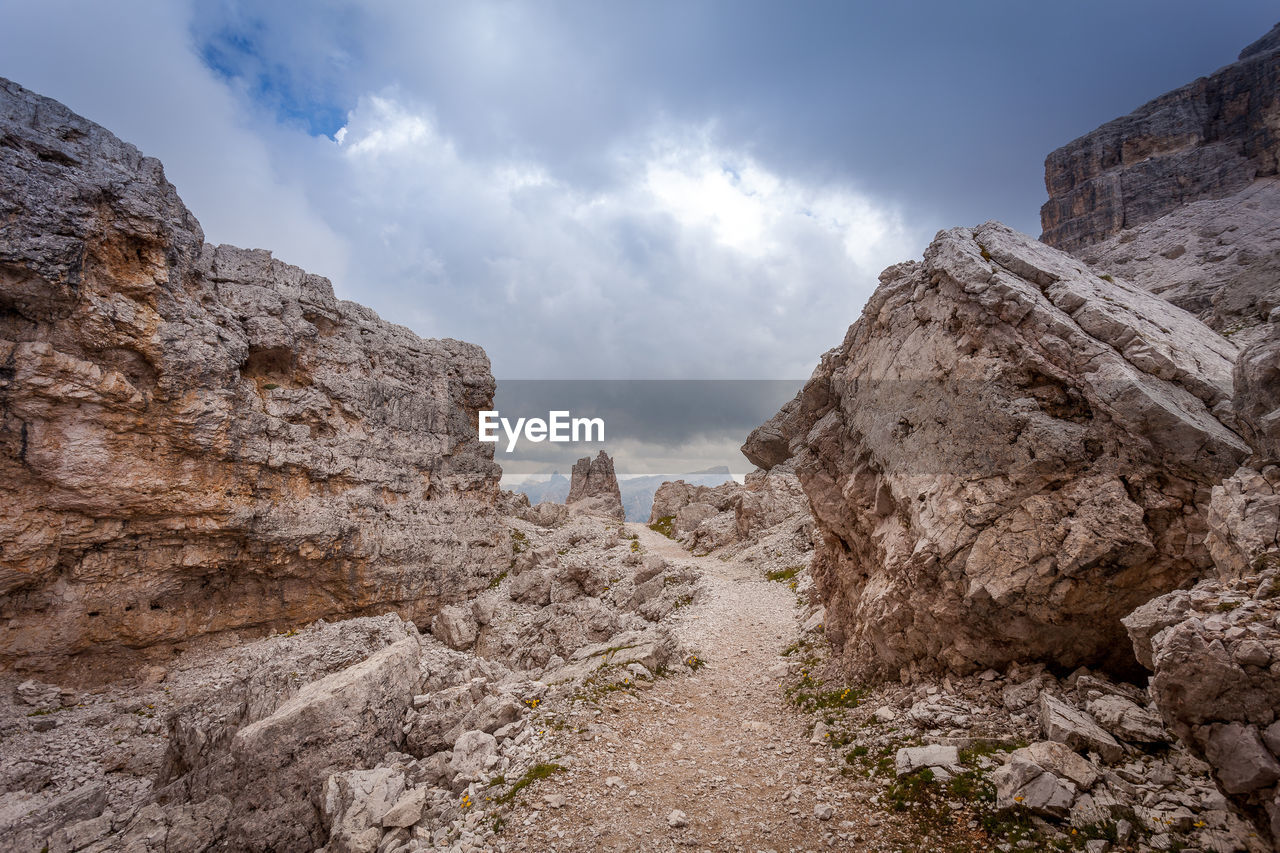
[
  {"x": 1206, "y": 140},
  {"x": 197, "y": 438}
]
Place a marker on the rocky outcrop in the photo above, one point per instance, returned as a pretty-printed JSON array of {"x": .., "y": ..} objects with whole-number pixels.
[
  {"x": 1207, "y": 140},
  {"x": 1218, "y": 259},
  {"x": 196, "y": 439},
  {"x": 705, "y": 518},
  {"x": 593, "y": 487},
  {"x": 1006, "y": 455},
  {"x": 1215, "y": 653}
]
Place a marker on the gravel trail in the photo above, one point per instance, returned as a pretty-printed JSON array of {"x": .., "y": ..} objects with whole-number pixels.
[{"x": 721, "y": 746}]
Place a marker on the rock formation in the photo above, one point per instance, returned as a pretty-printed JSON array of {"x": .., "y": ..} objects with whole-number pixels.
[
  {"x": 198, "y": 439},
  {"x": 1215, "y": 654},
  {"x": 1006, "y": 455},
  {"x": 1218, "y": 259},
  {"x": 1207, "y": 140},
  {"x": 593, "y": 487},
  {"x": 705, "y": 518}
]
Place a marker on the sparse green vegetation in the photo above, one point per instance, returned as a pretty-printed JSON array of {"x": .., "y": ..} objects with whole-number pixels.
[
  {"x": 783, "y": 574},
  {"x": 1107, "y": 277},
  {"x": 665, "y": 526},
  {"x": 533, "y": 774},
  {"x": 497, "y": 579},
  {"x": 519, "y": 542}
]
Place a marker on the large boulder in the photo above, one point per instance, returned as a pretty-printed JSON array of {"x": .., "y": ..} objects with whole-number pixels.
[
  {"x": 1007, "y": 454},
  {"x": 196, "y": 439},
  {"x": 275, "y": 769}
]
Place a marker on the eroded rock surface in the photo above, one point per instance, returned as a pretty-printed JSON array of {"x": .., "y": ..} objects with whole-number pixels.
[
  {"x": 199, "y": 438},
  {"x": 705, "y": 518},
  {"x": 593, "y": 487},
  {"x": 1209, "y": 139},
  {"x": 1215, "y": 652},
  {"x": 1006, "y": 455}
]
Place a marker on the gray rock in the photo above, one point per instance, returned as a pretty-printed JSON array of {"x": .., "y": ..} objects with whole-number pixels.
[
  {"x": 1239, "y": 758},
  {"x": 353, "y": 804},
  {"x": 1077, "y": 729},
  {"x": 407, "y": 811},
  {"x": 910, "y": 759},
  {"x": 1060, "y": 760},
  {"x": 1127, "y": 720},
  {"x": 455, "y": 627},
  {"x": 342, "y": 721},
  {"x": 473, "y": 754},
  {"x": 1024, "y": 784}
]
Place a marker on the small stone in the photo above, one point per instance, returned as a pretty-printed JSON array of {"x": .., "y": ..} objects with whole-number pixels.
[
  {"x": 677, "y": 819},
  {"x": 822, "y": 811},
  {"x": 613, "y": 782},
  {"x": 909, "y": 759}
]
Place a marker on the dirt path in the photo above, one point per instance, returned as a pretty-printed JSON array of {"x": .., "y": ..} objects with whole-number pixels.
[{"x": 720, "y": 746}]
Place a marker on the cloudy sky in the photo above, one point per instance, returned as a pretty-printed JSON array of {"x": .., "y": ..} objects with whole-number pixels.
[{"x": 597, "y": 189}]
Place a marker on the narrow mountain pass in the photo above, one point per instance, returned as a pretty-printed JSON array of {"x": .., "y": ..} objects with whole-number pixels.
[{"x": 717, "y": 760}]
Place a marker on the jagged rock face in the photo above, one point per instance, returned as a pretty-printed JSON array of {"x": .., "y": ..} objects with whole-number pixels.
[
  {"x": 593, "y": 487},
  {"x": 1209, "y": 139},
  {"x": 705, "y": 518},
  {"x": 196, "y": 438},
  {"x": 1218, "y": 259},
  {"x": 1006, "y": 455},
  {"x": 1215, "y": 654}
]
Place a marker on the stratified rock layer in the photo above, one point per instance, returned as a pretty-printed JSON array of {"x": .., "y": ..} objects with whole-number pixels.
[
  {"x": 1206, "y": 140},
  {"x": 1006, "y": 455},
  {"x": 199, "y": 438}
]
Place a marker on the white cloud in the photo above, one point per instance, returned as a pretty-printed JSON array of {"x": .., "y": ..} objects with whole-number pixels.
[
  {"x": 128, "y": 65},
  {"x": 672, "y": 253},
  {"x": 689, "y": 258}
]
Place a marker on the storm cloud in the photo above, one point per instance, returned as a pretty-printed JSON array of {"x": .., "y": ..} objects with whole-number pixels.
[{"x": 675, "y": 190}]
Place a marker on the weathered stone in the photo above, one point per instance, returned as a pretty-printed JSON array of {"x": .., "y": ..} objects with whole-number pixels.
[
  {"x": 1127, "y": 720},
  {"x": 455, "y": 627},
  {"x": 1211, "y": 692},
  {"x": 278, "y": 763},
  {"x": 1025, "y": 784},
  {"x": 28, "y": 823},
  {"x": 531, "y": 587},
  {"x": 962, "y": 453},
  {"x": 1077, "y": 729},
  {"x": 910, "y": 759},
  {"x": 353, "y": 805},
  {"x": 202, "y": 438},
  {"x": 1240, "y": 758},
  {"x": 594, "y": 487},
  {"x": 1206, "y": 140},
  {"x": 1060, "y": 760},
  {"x": 473, "y": 754},
  {"x": 407, "y": 811}
]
